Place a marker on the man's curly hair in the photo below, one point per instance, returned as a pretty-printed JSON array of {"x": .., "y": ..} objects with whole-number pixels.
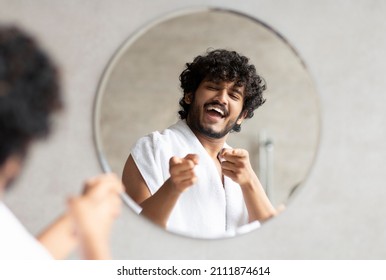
[
  {"x": 223, "y": 65},
  {"x": 29, "y": 92}
]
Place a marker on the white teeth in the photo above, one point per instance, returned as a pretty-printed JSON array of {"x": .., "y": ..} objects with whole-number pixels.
[{"x": 218, "y": 110}]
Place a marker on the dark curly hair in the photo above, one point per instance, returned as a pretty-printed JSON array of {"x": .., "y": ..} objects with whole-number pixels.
[
  {"x": 29, "y": 92},
  {"x": 223, "y": 65}
]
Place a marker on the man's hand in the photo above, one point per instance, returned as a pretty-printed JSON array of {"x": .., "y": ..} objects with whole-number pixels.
[
  {"x": 94, "y": 212},
  {"x": 236, "y": 165},
  {"x": 182, "y": 173},
  {"x": 159, "y": 206}
]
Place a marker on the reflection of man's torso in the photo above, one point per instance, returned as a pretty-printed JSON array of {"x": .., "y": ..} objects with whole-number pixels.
[{"x": 214, "y": 206}]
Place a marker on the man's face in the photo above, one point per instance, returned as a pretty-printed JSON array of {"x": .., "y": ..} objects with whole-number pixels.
[{"x": 216, "y": 108}]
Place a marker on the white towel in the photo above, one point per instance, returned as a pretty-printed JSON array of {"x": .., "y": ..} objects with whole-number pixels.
[{"x": 207, "y": 209}]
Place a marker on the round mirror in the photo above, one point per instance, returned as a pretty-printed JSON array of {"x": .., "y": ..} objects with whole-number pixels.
[{"x": 139, "y": 93}]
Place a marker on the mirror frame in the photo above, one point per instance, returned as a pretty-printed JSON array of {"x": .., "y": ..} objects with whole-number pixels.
[{"x": 138, "y": 32}]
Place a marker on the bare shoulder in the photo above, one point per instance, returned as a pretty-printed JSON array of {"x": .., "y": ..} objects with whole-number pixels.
[{"x": 135, "y": 185}]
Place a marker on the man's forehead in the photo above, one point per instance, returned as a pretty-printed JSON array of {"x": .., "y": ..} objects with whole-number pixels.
[{"x": 237, "y": 83}]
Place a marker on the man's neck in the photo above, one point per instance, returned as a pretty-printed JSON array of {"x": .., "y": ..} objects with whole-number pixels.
[{"x": 212, "y": 145}]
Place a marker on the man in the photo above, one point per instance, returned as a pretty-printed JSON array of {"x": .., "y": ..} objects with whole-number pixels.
[
  {"x": 187, "y": 178},
  {"x": 29, "y": 94}
]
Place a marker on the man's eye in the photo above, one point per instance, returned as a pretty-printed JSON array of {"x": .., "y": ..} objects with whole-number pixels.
[
  {"x": 212, "y": 88},
  {"x": 235, "y": 96}
]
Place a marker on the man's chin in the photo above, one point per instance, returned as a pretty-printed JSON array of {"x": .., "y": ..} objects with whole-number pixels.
[{"x": 213, "y": 133}]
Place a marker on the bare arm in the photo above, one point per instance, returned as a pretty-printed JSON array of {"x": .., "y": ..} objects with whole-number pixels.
[
  {"x": 59, "y": 238},
  {"x": 258, "y": 205},
  {"x": 159, "y": 206},
  {"x": 93, "y": 214},
  {"x": 88, "y": 221},
  {"x": 237, "y": 167}
]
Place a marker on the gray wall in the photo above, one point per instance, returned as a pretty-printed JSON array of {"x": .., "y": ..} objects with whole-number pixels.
[{"x": 339, "y": 213}]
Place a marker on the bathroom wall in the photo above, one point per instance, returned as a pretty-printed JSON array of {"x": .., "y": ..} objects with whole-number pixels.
[{"x": 339, "y": 212}]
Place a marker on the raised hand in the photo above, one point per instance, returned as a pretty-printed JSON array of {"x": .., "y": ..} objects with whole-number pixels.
[
  {"x": 236, "y": 165},
  {"x": 182, "y": 174},
  {"x": 159, "y": 206},
  {"x": 94, "y": 212}
]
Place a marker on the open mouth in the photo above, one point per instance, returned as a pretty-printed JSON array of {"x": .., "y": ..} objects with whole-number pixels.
[{"x": 216, "y": 110}]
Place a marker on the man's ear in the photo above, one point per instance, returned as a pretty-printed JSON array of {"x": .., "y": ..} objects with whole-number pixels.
[
  {"x": 188, "y": 98},
  {"x": 242, "y": 117},
  {"x": 9, "y": 170}
]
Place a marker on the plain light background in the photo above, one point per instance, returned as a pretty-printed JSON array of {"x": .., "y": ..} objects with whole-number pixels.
[{"x": 338, "y": 214}]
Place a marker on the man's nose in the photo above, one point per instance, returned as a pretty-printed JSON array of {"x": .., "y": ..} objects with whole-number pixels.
[{"x": 222, "y": 96}]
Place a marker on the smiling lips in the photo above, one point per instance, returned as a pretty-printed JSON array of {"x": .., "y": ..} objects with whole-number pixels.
[{"x": 216, "y": 109}]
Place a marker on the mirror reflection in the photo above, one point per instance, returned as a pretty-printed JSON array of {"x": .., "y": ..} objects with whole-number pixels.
[{"x": 192, "y": 172}]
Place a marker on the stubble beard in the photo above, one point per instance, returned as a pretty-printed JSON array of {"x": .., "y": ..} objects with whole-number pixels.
[{"x": 193, "y": 121}]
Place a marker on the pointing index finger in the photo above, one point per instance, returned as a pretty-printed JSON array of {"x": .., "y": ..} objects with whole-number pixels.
[
  {"x": 233, "y": 152},
  {"x": 229, "y": 154},
  {"x": 193, "y": 158}
]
